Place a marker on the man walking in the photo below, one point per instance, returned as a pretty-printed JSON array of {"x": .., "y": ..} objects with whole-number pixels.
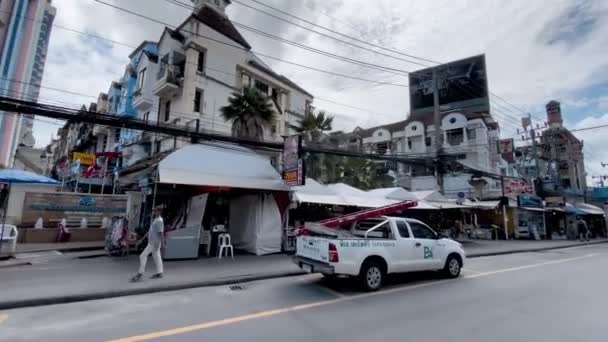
[
  {"x": 583, "y": 230},
  {"x": 155, "y": 238}
]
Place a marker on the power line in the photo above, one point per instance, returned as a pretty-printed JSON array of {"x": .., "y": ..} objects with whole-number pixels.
[
  {"x": 353, "y": 38},
  {"x": 247, "y": 50},
  {"x": 507, "y": 116}
]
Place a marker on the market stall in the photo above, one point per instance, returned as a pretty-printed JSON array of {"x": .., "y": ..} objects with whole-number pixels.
[{"x": 221, "y": 188}]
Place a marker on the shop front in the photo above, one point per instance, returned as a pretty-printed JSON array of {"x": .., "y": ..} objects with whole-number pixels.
[
  {"x": 530, "y": 218},
  {"x": 213, "y": 189}
]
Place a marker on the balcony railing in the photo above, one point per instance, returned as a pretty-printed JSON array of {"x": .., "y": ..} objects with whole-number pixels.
[{"x": 169, "y": 80}]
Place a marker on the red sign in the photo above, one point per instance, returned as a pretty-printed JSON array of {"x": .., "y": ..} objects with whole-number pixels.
[{"x": 514, "y": 187}]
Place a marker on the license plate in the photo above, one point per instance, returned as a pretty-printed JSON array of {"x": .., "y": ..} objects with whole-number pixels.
[{"x": 307, "y": 268}]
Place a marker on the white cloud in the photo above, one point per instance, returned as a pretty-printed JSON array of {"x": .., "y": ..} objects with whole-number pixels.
[{"x": 522, "y": 66}]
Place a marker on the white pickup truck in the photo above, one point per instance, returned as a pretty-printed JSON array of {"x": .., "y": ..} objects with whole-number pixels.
[{"x": 375, "y": 247}]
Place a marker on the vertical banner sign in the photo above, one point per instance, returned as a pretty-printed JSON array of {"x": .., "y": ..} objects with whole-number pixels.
[{"x": 293, "y": 169}]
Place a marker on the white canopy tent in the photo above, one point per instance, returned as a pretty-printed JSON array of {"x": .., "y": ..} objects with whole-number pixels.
[
  {"x": 255, "y": 220},
  {"x": 400, "y": 194},
  {"x": 359, "y": 198},
  {"x": 317, "y": 193},
  {"x": 220, "y": 165}
]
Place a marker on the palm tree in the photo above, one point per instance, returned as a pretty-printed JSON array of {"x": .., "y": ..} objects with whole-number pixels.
[
  {"x": 249, "y": 112},
  {"x": 311, "y": 128},
  {"x": 313, "y": 125}
]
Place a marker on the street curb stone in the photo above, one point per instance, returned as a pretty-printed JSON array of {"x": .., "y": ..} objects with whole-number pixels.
[
  {"x": 8, "y": 305},
  {"x": 531, "y": 250}
]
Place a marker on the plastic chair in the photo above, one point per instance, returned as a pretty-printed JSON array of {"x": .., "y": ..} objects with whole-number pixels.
[
  {"x": 225, "y": 244},
  {"x": 9, "y": 236}
]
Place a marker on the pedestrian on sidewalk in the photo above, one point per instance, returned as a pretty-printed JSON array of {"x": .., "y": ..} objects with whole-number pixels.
[
  {"x": 155, "y": 240},
  {"x": 583, "y": 230}
]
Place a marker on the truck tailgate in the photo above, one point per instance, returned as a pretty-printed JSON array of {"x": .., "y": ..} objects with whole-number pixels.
[{"x": 314, "y": 248}]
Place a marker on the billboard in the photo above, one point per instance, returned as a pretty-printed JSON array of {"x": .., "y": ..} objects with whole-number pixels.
[
  {"x": 293, "y": 169},
  {"x": 85, "y": 158},
  {"x": 461, "y": 84},
  {"x": 506, "y": 147}
]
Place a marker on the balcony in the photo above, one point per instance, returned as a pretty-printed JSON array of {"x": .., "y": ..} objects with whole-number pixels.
[
  {"x": 141, "y": 102},
  {"x": 169, "y": 81}
]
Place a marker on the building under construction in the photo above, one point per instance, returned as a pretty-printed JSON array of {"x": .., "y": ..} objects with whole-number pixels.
[{"x": 563, "y": 155}]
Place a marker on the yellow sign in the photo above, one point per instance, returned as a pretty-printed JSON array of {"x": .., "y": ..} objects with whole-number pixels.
[{"x": 85, "y": 158}]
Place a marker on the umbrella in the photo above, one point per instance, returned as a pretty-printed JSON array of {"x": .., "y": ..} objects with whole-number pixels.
[
  {"x": 11, "y": 176},
  {"x": 21, "y": 176}
]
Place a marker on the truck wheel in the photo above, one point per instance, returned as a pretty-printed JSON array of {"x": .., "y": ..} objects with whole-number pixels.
[
  {"x": 452, "y": 267},
  {"x": 372, "y": 276}
]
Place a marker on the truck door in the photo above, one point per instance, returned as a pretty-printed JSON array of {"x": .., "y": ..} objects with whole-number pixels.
[
  {"x": 426, "y": 249},
  {"x": 406, "y": 261}
]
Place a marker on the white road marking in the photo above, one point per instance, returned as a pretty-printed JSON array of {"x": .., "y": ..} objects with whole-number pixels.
[
  {"x": 280, "y": 311},
  {"x": 511, "y": 269}
]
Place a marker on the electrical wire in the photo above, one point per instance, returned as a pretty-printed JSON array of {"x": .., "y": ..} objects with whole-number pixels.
[{"x": 353, "y": 38}]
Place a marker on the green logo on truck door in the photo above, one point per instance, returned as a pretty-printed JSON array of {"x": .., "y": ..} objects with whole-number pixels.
[{"x": 428, "y": 253}]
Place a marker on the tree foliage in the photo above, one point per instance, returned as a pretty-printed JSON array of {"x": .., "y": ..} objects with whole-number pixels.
[{"x": 249, "y": 113}]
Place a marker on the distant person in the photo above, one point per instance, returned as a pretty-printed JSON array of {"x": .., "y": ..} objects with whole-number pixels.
[
  {"x": 583, "y": 230},
  {"x": 155, "y": 239}
]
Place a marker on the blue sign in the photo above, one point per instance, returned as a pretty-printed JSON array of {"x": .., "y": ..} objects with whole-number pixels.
[
  {"x": 87, "y": 201},
  {"x": 529, "y": 201},
  {"x": 600, "y": 194}
]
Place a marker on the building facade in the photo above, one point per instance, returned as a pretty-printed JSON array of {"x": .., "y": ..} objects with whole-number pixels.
[
  {"x": 188, "y": 76},
  {"x": 470, "y": 138},
  {"x": 23, "y": 45}
]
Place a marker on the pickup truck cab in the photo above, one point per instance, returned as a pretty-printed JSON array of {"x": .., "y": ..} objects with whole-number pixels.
[{"x": 375, "y": 247}]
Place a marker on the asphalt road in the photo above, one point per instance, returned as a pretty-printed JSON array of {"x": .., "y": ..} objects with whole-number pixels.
[{"x": 549, "y": 296}]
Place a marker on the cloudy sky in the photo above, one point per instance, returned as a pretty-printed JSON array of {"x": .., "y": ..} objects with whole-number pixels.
[{"x": 535, "y": 51}]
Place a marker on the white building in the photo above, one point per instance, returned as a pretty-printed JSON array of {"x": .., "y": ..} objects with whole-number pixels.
[
  {"x": 468, "y": 137},
  {"x": 197, "y": 69}
]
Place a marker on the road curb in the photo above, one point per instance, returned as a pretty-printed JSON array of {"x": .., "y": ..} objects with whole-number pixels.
[
  {"x": 531, "y": 250},
  {"x": 14, "y": 264},
  {"x": 8, "y": 305}
]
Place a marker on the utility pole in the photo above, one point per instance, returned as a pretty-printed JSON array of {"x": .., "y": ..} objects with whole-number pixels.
[{"x": 438, "y": 133}]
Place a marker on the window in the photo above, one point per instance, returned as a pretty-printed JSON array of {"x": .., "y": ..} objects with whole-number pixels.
[
  {"x": 382, "y": 148},
  {"x": 117, "y": 135},
  {"x": 274, "y": 130},
  {"x": 104, "y": 143},
  {"x": 382, "y": 232},
  {"x": 217, "y": 2},
  {"x": 167, "y": 110},
  {"x": 246, "y": 80},
  {"x": 409, "y": 143},
  {"x": 140, "y": 78},
  {"x": 157, "y": 145},
  {"x": 200, "y": 64},
  {"x": 414, "y": 128},
  {"x": 198, "y": 95},
  {"x": 146, "y": 116},
  {"x": 379, "y": 134},
  {"x": 428, "y": 141},
  {"x": 262, "y": 87},
  {"x": 421, "y": 231},
  {"x": 453, "y": 120},
  {"x": 402, "y": 227},
  {"x": 455, "y": 136},
  {"x": 471, "y": 133}
]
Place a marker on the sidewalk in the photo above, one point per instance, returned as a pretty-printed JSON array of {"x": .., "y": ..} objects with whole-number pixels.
[
  {"x": 62, "y": 247},
  {"x": 480, "y": 248},
  {"x": 69, "y": 279}
]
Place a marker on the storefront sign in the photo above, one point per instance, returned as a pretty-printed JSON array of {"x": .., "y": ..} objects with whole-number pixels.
[
  {"x": 55, "y": 206},
  {"x": 514, "y": 187},
  {"x": 293, "y": 168},
  {"x": 529, "y": 201},
  {"x": 85, "y": 158}
]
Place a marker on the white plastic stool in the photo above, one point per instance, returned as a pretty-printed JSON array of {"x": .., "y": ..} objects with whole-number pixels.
[{"x": 225, "y": 244}]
